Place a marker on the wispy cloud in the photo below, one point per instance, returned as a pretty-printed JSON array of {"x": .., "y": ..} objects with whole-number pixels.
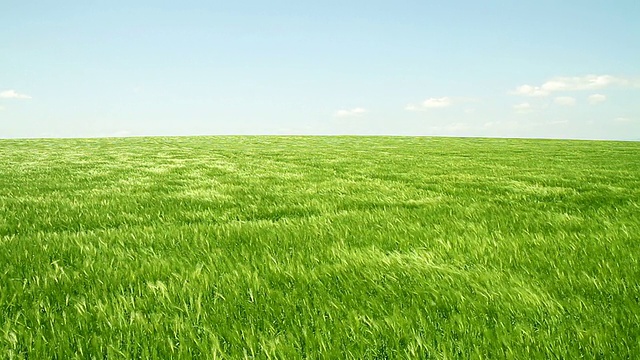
[
  {"x": 437, "y": 102},
  {"x": 529, "y": 90},
  {"x": 565, "y": 100},
  {"x": 12, "y": 94},
  {"x": 431, "y": 103},
  {"x": 350, "y": 112},
  {"x": 522, "y": 108},
  {"x": 1, "y": 108},
  {"x": 622, "y": 119},
  {"x": 596, "y": 98},
  {"x": 575, "y": 83}
]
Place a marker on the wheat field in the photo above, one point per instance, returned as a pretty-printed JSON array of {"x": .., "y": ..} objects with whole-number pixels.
[{"x": 319, "y": 248}]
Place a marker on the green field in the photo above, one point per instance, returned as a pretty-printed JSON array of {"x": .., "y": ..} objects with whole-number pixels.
[{"x": 319, "y": 247}]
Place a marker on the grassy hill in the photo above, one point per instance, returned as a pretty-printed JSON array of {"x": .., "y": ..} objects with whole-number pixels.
[{"x": 319, "y": 247}]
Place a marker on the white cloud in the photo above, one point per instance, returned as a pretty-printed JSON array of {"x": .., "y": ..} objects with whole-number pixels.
[
  {"x": 622, "y": 120},
  {"x": 529, "y": 90},
  {"x": 522, "y": 108},
  {"x": 565, "y": 100},
  {"x": 12, "y": 94},
  {"x": 350, "y": 112},
  {"x": 575, "y": 83},
  {"x": 437, "y": 102},
  {"x": 431, "y": 103},
  {"x": 1, "y": 108},
  {"x": 596, "y": 98}
]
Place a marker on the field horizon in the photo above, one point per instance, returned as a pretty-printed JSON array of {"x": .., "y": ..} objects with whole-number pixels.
[
  {"x": 326, "y": 246},
  {"x": 107, "y": 137}
]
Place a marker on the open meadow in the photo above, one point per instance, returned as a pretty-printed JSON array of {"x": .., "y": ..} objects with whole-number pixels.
[{"x": 319, "y": 248}]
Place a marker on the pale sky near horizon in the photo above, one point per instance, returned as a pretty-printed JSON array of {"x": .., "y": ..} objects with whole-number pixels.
[{"x": 551, "y": 69}]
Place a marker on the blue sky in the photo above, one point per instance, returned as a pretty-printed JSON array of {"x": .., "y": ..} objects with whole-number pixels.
[{"x": 555, "y": 69}]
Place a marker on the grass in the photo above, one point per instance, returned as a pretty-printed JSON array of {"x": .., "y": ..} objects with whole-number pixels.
[{"x": 319, "y": 247}]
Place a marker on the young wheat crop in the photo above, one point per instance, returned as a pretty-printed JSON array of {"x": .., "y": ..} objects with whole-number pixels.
[{"x": 319, "y": 247}]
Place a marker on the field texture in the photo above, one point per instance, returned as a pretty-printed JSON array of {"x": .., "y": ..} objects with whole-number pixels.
[{"x": 319, "y": 247}]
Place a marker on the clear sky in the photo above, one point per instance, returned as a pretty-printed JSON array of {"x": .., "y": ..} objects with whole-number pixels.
[{"x": 560, "y": 69}]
